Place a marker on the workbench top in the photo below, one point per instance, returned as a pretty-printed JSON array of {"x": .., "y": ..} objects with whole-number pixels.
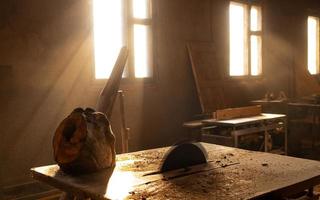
[
  {"x": 244, "y": 120},
  {"x": 233, "y": 174}
]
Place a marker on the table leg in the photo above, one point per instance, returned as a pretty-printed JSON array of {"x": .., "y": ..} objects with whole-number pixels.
[
  {"x": 310, "y": 192},
  {"x": 313, "y": 129},
  {"x": 235, "y": 138},
  {"x": 266, "y": 138},
  {"x": 285, "y": 136},
  {"x": 236, "y": 141}
]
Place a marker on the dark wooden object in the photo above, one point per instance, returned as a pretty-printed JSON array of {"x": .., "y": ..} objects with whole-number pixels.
[
  {"x": 207, "y": 76},
  {"x": 84, "y": 142},
  {"x": 233, "y": 174},
  {"x": 272, "y": 106},
  {"x": 304, "y": 122}
]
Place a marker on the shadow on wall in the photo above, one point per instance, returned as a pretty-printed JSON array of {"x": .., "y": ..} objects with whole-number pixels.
[{"x": 50, "y": 50}]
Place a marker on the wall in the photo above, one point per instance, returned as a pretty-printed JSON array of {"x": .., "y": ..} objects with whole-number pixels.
[
  {"x": 286, "y": 46},
  {"x": 48, "y": 47},
  {"x": 46, "y": 71},
  {"x": 305, "y": 84}
]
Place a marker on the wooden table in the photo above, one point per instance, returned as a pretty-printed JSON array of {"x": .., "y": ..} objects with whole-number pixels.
[
  {"x": 304, "y": 115},
  {"x": 262, "y": 123},
  {"x": 231, "y": 173}
]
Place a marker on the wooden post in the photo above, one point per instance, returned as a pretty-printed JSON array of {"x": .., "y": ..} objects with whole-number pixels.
[{"x": 124, "y": 129}]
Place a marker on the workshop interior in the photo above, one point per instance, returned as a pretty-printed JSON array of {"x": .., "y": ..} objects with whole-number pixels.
[{"x": 160, "y": 99}]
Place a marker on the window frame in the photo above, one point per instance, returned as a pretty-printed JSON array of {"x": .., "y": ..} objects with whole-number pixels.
[
  {"x": 248, "y": 33},
  {"x": 129, "y": 38},
  {"x": 317, "y": 16}
]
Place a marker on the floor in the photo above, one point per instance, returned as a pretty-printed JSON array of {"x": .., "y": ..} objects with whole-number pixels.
[{"x": 29, "y": 191}]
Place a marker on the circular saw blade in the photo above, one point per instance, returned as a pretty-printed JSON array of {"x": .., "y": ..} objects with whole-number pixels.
[{"x": 183, "y": 156}]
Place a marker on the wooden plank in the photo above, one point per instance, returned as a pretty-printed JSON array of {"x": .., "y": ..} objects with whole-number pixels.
[
  {"x": 108, "y": 94},
  {"x": 207, "y": 76},
  {"x": 257, "y": 174},
  {"x": 232, "y": 113},
  {"x": 215, "y": 89}
]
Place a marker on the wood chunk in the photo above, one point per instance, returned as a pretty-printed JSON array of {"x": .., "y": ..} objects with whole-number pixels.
[{"x": 84, "y": 142}]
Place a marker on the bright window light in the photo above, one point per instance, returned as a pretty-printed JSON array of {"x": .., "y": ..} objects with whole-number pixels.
[
  {"x": 141, "y": 51},
  {"x": 255, "y": 18},
  {"x": 116, "y": 25},
  {"x": 255, "y": 55},
  {"x": 237, "y": 39},
  {"x": 313, "y": 45},
  {"x": 140, "y": 9},
  {"x": 108, "y": 35}
]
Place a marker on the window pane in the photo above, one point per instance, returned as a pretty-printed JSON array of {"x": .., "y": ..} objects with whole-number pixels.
[
  {"x": 141, "y": 9},
  {"x": 255, "y": 18},
  {"x": 108, "y": 35},
  {"x": 256, "y": 60},
  {"x": 313, "y": 45},
  {"x": 237, "y": 39},
  {"x": 142, "y": 61}
]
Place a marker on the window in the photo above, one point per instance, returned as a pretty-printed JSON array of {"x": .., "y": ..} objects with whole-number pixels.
[
  {"x": 313, "y": 45},
  {"x": 245, "y": 42},
  {"x": 120, "y": 23}
]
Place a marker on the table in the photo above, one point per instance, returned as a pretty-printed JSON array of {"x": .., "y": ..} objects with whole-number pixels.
[
  {"x": 230, "y": 173},
  {"x": 304, "y": 114},
  {"x": 263, "y": 123}
]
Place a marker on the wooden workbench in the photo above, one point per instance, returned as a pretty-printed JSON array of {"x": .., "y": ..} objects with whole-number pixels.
[
  {"x": 233, "y": 174},
  {"x": 264, "y": 123}
]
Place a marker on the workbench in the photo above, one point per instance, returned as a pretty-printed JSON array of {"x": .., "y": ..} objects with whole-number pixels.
[
  {"x": 246, "y": 126},
  {"x": 230, "y": 173}
]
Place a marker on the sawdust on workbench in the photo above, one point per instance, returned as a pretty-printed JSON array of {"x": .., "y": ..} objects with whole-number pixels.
[
  {"x": 197, "y": 186},
  {"x": 143, "y": 161},
  {"x": 257, "y": 173}
]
